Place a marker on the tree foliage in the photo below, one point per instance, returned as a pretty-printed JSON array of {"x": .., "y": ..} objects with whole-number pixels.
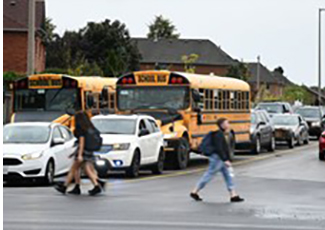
[
  {"x": 104, "y": 47},
  {"x": 239, "y": 71},
  {"x": 296, "y": 92},
  {"x": 189, "y": 61},
  {"x": 162, "y": 28}
]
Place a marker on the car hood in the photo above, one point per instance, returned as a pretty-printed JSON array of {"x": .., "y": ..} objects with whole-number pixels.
[
  {"x": 117, "y": 138},
  {"x": 312, "y": 119},
  {"x": 21, "y": 149},
  {"x": 286, "y": 127}
]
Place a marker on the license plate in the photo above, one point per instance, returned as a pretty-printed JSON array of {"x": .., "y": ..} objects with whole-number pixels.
[{"x": 5, "y": 170}]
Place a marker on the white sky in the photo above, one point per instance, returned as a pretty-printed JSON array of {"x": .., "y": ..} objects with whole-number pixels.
[{"x": 283, "y": 32}]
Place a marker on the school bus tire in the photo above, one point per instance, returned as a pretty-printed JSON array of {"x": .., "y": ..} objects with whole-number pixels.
[{"x": 180, "y": 157}]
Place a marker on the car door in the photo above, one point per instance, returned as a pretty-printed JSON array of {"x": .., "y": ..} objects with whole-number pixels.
[
  {"x": 144, "y": 141},
  {"x": 58, "y": 151},
  {"x": 155, "y": 139},
  {"x": 268, "y": 128},
  {"x": 69, "y": 146},
  {"x": 263, "y": 128}
]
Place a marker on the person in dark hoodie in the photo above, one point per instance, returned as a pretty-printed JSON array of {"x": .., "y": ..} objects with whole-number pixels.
[{"x": 218, "y": 162}]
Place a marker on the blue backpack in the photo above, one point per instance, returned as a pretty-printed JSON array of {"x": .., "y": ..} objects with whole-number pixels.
[{"x": 206, "y": 147}]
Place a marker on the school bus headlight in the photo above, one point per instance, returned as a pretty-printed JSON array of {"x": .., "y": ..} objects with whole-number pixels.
[
  {"x": 170, "y": 135},
  {"x": 122, "y": 146}
]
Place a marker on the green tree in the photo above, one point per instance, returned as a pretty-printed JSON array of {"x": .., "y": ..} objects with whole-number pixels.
[
  {"x": 239, "y": 71},
  {"x": 189, "y": 61},
  {"x": 48, "y": 34},
  {"x": 296, "y": 92},
  {"x": 162, "y": 28}
]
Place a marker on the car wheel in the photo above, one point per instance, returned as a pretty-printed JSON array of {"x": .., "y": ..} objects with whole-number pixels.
[
  {"x": 299, "y": 140},
  {"x": 321, "y": 156},
  {"x": 291, "y": 142},
  {"x": 257, "y": 145},
  {"x": 158, "y": 168},
  {"x": 49, "y": 173},
  {"x": 133, "y": 170},
  {"x": 181, "y": 155},
  {"x": 272, "y": 144}
]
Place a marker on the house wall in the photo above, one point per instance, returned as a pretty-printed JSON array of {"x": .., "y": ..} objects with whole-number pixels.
[
  {"x": 15, "y": 52},
  {"x": 199, "y": 69},
  {"x": 274, "y": 89}
]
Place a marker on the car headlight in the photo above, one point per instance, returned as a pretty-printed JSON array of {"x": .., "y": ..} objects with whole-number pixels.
[
  {"x": 170, "y": 135},
  {"x": 120, "y": 147},
  {"x": 32, "y": 156},
  {"x": 316, "y": 123}
]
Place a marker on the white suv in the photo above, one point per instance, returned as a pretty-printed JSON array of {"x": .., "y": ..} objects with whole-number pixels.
[{"x": 130, "y": 142}]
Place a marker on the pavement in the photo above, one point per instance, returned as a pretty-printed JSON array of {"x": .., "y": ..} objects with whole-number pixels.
[{"x": 284, "y": 190}]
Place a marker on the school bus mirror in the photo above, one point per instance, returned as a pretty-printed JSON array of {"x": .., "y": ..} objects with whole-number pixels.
[
  {"x": 199, "y": 119},
  {"x": 105, "y": 93},
  {"x": 70, "y": 111},
  {"x": 90, "y": 101},
  {"x": 196, "y": 95},
  {"x": 197, "y": 110}
]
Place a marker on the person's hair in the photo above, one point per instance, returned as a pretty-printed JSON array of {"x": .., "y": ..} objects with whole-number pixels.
[
  {"x": 83, "y": 122},
  {"x": 220, "y": 121}
]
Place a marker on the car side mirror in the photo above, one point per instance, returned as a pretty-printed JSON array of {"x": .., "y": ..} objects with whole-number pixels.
[
  {"x": 143, "y": 132},
  {"x": 58, "y": 141}
]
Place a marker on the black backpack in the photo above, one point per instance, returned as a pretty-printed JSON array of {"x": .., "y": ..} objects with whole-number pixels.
[{"x": 93, "y": 140}]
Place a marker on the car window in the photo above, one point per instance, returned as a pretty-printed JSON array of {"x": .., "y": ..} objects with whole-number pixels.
[
  {"x": 67, "y": 135},
  {"x": 142, "y": 125},
  {"x": 56, "y": 133},
  {"x": 154, "y": 125},
  {"x": 266, "y": 118},
  {"x": 149, "y": 126},
  {"x": 261, "y": 117}
]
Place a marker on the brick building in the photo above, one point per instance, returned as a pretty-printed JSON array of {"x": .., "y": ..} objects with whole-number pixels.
[
  {"x": 274, "y": 82},
  {"x": 167, "y": 54},
  {"x": 15, "y": 35}
]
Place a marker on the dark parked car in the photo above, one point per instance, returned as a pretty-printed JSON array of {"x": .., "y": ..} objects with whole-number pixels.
[
  {"x": 275, "y": 107},
  {"x": 291, "y": 128},
  {"x": 322, "y": 147},
  {"x": 262, "y": 133},
  {"x": 315, "y": 118}
]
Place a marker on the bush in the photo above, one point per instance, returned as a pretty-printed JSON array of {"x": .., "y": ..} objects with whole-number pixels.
[{"x": 9, "y": 77}]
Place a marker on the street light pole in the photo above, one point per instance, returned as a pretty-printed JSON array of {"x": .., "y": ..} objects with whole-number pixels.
[
  {"x": 320, "y": 56},
  {"x": 31, "y": 37}
]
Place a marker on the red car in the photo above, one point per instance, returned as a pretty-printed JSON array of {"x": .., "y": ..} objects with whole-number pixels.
[{"x": 322, "y": 147}]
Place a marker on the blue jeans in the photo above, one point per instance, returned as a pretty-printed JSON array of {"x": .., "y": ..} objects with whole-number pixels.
[{"x": 216, "y": 165}]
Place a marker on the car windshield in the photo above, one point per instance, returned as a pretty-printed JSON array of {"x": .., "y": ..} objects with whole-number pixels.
[
  {"x": 285, "y": 120},
  {"x": 271, "y": 108},
  {"x": 253, "y": 118},
  {"x": 26, "y": 134},
  {"x": 168, "y": 97},
  {"x": 115, "y": 126},
  {"x": 309, "y": 112},
  {"x": 46, "y": 99}
]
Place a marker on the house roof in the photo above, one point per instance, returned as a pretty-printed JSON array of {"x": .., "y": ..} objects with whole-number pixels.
[
  {"x": 170, "y": 51},
  {"x": 281, "y": 78},
  {"x": 266, "y": 76},
  {"x": 15, "y": 15}
]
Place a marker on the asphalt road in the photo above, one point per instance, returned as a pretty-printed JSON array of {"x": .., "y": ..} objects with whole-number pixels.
[{"x": 284, "y": 190}]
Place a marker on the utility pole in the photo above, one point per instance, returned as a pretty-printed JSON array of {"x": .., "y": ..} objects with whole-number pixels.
[
  {"x": 258, "y": 73},
  {"x": 320, "y": 55},
  {"x": 31, "y": 38}
]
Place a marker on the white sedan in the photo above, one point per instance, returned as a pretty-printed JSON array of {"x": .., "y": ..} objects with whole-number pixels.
[
  {"x": 130, "y": 142},
  {"x": 36, "y": 151}
]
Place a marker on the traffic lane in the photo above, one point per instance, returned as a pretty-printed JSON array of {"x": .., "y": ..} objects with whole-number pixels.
[{"x": 163, "y": 201}]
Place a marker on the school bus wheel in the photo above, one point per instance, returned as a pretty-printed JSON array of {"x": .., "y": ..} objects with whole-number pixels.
[{"x": 180, "y": 157}]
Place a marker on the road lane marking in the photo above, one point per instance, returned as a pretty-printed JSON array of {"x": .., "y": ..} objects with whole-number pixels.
[
  {"x": 203, "y": 168},
  {"x": 170, "y": 224}
]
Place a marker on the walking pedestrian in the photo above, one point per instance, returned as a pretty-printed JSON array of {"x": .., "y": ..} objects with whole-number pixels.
[
  {"x": 83, "y": 157},
  {"x": 219, "y": 161}
]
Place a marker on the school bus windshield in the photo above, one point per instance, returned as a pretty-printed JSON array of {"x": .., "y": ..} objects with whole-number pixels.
[
  {"x": 168, "y": 97},
  {"x": 46, "y": 99}
]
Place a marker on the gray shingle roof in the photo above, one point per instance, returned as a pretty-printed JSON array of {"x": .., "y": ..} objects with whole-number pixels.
[
  {"x": 266, "y": 76},
  {"x": 170, "y": 51}
]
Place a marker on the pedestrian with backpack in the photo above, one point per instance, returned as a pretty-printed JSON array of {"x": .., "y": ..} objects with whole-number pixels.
[
  {"x": 89, "y": 140},
  {"x": 215, "y": 146}
]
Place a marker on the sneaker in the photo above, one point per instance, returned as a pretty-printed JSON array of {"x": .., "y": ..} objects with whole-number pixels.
[
  {"x": 76, "y": 190},
  {"x": 102, "y": 184},
  {"x": 236, "y": 199},
  {"x": 96, "y": 190},
  {"x": 61, "y": 188},
  {"x": 195, "y": 196}
]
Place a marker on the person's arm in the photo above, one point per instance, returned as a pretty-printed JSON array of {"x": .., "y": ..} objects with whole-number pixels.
[
  {"x": 81, "y": 148},
  {"x": 226, "y": 152}
]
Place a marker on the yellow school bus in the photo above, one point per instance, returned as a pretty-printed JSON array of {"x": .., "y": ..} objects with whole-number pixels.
[
  {"x": 186, "y": 107},
  {"x": 48, "y": 97}
]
